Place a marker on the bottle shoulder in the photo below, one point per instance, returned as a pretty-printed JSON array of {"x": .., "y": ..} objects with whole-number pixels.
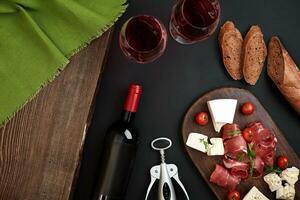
[{"x": 123, "y": 131}]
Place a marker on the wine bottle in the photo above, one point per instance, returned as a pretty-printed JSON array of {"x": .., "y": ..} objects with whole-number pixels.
[{"x": 119, "y": 151}]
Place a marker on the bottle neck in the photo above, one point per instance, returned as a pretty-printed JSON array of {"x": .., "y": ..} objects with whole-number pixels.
[
  {"x": 128, "y": 116},
  {"x": 131, "y": 103}
]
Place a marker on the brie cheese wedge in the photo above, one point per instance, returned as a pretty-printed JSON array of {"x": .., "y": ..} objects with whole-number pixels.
[
  {"x": 274, "y": 181},
  {"x": 255, "y": 194},
  {"x": 198, "y": 141},
  {"x": 216, "y": 148},
  {"x": 287, "y": 192},
  {"x": 222, "y": 112},
  {"x": 290, "y": 175}
]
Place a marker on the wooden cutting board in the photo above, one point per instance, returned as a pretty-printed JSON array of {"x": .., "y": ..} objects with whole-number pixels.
[{"x": 206, "y": 164}]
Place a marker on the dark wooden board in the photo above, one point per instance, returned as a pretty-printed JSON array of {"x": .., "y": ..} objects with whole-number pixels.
[
  {"x": 206, "y": 164},
  {"x": 40, "y": 147}
]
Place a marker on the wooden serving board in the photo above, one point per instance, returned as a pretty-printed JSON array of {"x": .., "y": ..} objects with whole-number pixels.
[{"x": 206, "y": 164}]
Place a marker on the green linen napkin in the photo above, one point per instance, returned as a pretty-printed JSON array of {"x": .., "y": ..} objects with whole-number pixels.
[{"x": 37, "y": 38}]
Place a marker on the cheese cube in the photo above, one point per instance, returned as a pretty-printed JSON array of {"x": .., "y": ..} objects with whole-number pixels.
[
  {"x": 287, "y": 192},
  {"x": 222, "y": 111},
  {"x": 274, "y": 181},
  {"x": 198, "y": 141},
  {"x": 290, "y": 175},
  {"x": 255, "y": 194},
  {"x": 216, "y": 148}
]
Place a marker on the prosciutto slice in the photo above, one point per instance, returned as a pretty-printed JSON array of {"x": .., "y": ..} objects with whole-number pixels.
[
  {"x": 237, "y": 168},
  {"x": 228, "y": 130},
  {"x": 235, "y": 147},
  {"x": 266, "y": 153},
  {"x": 256, "y": 126},
  {"x": 223, "y": 178},
  {"x": 264, "y": 143},
  {"x": 258, "y": 167}
]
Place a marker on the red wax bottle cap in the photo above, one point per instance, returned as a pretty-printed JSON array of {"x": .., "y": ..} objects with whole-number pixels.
[{"x": 133, "y": 98}]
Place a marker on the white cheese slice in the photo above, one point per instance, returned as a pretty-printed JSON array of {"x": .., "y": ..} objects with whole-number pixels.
[
  {"x": 290, "y": 175},
  {"x": 222, "y": 112},
  {"x": 274, "y": 181},
  {"x": 287, "y": 192},
  {"x": 255, "y": 194},
  {"x": 216, "y": 148},
  {"x": 198, "y": 141}
]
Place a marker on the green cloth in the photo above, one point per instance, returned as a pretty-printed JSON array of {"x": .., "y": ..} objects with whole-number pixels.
[{"x": 37, "y": 38}]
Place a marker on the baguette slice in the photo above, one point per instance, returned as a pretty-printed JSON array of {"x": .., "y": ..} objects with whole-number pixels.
[
  {"x": 284, "y": 72},
  {"x": 231, "y": 42},
  {"x": 254, "y": 54}
]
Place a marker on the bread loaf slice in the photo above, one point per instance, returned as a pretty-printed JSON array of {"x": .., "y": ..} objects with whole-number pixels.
[
  {"x": 254, "y": 54},
  {"x": 231, "y": 42},
  {"x": 284, "y": 72}
]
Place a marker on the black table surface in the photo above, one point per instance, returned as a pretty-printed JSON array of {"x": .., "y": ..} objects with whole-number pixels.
[{"x": 174, "y": 81}]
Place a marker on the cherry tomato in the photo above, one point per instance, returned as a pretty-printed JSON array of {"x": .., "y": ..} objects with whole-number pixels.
[
  {"x": 233, "y": 195},
  {"x": 248, "y": 108},
  {"x": 202, "y": 118},
  {"x": 248, "y": 134},
  {"x": 282, "y": 162}
]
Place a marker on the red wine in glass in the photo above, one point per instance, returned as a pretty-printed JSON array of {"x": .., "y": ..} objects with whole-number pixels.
[
  {"x": 194, "y": 20},
  {"x": 143, "y": 38}
]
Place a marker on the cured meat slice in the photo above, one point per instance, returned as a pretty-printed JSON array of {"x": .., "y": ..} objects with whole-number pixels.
[
  {"x": 241, "y": 171},
  {"x": 258, "y": 167},
  {"x": 230, "y": 130},
  {"x": 266, "y": 153},
  {"x": 220, "y": 176},
  {"x": 235, "y": 147},
  {"x": 264, "y": 137},
  {"x": 223, "y": 178},
  {"x": 256, "y": 126},
  {"x": 230, "y": 163},
  {"x": 237, "y": 168},
  {"x": 264, "y": 142}
]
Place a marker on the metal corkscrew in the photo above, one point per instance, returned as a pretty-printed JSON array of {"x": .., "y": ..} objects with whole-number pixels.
[{"x": 164, "y": 172}]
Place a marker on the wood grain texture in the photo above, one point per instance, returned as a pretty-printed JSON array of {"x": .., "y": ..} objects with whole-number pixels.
[
  {"x": 206, "y": 164},
  {"x": 40, "y": 147}
]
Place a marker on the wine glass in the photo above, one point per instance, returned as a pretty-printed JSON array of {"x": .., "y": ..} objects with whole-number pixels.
[
  {"x": 194, "y": 20},
  {"x": 143, "y": 38}
]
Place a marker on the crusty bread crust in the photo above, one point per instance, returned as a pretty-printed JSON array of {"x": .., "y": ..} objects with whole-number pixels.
[
  {"x": 254, "y": 54},
  {"x": 284, "y": 72},
  {"x": 231, "y": 42}
]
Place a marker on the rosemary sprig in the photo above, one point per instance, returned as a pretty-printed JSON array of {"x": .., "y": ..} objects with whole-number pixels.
[
  {"x": 251, "y": 167},
  {"x": 205, "y": 143},
  {"x": 240, "y": 157},
  {"x": 273, "y": 169},
  {"x": 233, "y": 133},
  {"x": 251, "y": 155}
]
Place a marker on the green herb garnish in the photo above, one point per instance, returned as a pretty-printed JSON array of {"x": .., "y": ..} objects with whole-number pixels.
[
  {"x": 233, "y": 133},
  {"x": 205, "y": 143},
  {"x": 240, "y": 157},
  {"x": 251, "y": 167},
  {"x": 251, "y": 155},
  {"x": 273, "y": 169}
]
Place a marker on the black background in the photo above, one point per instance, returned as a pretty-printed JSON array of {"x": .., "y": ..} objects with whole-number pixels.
[{"x": 174, "y": 81}]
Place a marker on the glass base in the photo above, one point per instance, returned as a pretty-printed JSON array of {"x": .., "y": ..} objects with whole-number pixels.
[{"x": 177, "y": 37}]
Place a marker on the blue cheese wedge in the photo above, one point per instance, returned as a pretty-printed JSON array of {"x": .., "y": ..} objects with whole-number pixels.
[
  {"x": 290, "y": 175},
  {"x": 287, "y": 192},
  {"x": 255, "y": 194},
  {"x": 216, "y": 148},
  {"x": 198, "y": 141},
  {"x": 274, "y": 181},
  {"x": 222, "y": 111}
]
